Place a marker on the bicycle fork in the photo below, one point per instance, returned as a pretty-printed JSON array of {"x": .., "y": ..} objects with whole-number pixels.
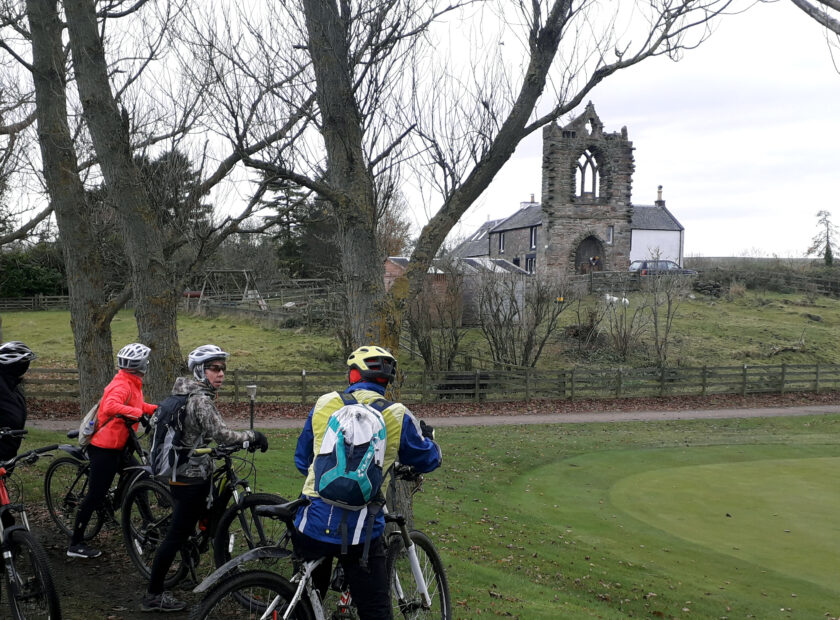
[
  {"x": 414, "y": 562},
  {"x": 303, "y": 579}
]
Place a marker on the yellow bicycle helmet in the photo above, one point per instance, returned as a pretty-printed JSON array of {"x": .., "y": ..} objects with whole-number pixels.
[{"x": 372, "y": 364}]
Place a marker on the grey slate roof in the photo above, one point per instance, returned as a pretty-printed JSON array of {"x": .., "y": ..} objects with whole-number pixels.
[
  {"x": 476, "y": 244},
  {"x": 653, "y": 217},
  {"x": 524, "y": 218},
  {"x": 402, "y": 261},
  {"x": 484, "y": 263}
]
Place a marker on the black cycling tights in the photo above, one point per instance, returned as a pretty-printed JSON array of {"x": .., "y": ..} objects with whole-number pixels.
[{"x": 104, "y": 465}]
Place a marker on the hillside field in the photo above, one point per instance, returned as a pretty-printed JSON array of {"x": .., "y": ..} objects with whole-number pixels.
[{"x": 753, "y": 328}]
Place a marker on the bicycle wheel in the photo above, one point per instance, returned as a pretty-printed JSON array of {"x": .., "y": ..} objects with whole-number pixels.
[
  {"x": 406, "y": 597},
  {"x": 260, "y": 589},
  {"x": 65, "y": 486},
  {"x": 28, "y": 579},
  {"x": 240, "y": 530},
  {"x": 146, "y": 514}
]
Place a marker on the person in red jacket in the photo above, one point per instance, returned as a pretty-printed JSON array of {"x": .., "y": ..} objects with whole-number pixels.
[{"x": 106, "y": 452}]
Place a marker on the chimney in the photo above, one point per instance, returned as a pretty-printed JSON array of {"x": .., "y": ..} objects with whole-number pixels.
[
  {"x": 659, "y": 202},
  {"x": 532, "y": 198}
]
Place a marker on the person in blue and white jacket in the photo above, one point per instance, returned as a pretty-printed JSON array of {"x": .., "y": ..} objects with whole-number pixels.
[{"x": 319, "y": 524}]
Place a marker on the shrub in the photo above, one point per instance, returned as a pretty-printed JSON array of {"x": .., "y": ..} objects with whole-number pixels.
[{"x": 736, "y": 290}]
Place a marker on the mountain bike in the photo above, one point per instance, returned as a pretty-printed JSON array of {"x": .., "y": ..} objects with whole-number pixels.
[
  {"x": 66, "y": 483},
  {"x": 231, "y": 524},
  {"x": 419, "y": 588},
  {"x": 29, "y": 583}
]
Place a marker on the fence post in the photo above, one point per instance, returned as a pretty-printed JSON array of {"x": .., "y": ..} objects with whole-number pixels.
[
  {"x": 662, "y": 381},
  {"x": 744, "y": 381},
  {"x": 477, "y": 386},
  {"x": 527, "y": 384},
  {"x": 782, "y": 379},
  {"x": 817, "y": 378},
  {"x": 423, "y": 397},
  {"x": 704, "y": 380},
  {"x": 303, "y": 387},
  {"x": 618, "y": 383},
  {"x": 235, "y": 386},
  {"x": 572, "y": 392}
]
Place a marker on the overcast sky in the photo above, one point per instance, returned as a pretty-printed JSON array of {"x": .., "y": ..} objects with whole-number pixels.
[{"x": 743, "y": 134}]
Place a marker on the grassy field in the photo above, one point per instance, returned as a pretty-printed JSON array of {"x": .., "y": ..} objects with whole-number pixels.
[
  {"x": 746, "y": 329},
  {"x": 686, "y": 519}
]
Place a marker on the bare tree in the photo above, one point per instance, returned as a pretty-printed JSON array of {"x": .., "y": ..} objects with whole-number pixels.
[
  {"x": 121, "y": 114},
  {"x": 824, "y": 12},
  {"x": 519, "y": 314},
  {"x": 625, "y": 325},
  {"x": 434, "y": 317},
  {"x": 664, "y": 294},
  {"x": 90, "y": 313}
]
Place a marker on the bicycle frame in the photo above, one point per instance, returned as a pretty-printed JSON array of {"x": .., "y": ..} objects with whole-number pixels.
[{"x": 303, "y": 574}]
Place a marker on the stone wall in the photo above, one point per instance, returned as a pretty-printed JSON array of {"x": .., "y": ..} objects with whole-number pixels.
[{"x": 571, "y": 216}]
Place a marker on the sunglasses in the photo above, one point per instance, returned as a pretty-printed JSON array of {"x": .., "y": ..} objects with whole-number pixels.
[{"x": 216, "y": 368}]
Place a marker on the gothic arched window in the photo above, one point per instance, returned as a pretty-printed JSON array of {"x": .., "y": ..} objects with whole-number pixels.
[{"x": 587, "y": 180}]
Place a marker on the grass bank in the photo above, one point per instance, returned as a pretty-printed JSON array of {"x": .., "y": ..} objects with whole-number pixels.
[{"x": 694, "y": 519}]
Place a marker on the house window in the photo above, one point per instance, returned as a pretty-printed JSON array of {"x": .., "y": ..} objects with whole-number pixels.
[
  {"x": 533, "y": 237},
  {"x": 531, "y": 264},
  {"x": 610, "y": 233},
  {"x": 501, "y": 243}
]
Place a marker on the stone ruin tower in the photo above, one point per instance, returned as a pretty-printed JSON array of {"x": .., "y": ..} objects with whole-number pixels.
[{"x": 586, "y": 188}]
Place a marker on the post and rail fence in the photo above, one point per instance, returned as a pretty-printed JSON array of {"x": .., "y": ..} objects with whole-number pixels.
[{"x": 503, "y": 385}]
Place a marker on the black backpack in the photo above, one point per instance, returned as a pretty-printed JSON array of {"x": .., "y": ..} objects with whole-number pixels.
[{"x": 167, "y": 451}]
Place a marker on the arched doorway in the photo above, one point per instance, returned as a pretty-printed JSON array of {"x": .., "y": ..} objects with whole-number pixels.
[{"x": 589, "y": 255}]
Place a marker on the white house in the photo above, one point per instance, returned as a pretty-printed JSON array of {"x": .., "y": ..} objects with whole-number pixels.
[{"x": 656, "y": 233}]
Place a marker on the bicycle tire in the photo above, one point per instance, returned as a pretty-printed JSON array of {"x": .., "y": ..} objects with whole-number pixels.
[
  {"x": 146, "y": 515},
  {"x": 240, "y": 530},
  {"x": 29, "y": 584},
  {"x": 65, "y": 486},
  {"x": 399, "y": 572},
  {"x": 259, "y": 588}
]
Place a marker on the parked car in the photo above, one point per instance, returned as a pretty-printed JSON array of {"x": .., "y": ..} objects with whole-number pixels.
[{"x": 657, "y": 267}]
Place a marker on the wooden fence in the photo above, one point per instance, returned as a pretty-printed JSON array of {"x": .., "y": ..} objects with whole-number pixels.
[{"x": 505, "y": 385}]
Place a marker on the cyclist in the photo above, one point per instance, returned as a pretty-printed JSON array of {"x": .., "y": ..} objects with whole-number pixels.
[
  {"x": 106, "y": 452},
  {"x": 319, "y": 525},
  {"x": 14, "y": 362},
  {"x": 191, "y": 489}
]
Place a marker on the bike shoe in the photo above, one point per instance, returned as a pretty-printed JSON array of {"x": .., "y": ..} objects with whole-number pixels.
[
  {"x": 82, "y": 551},
  {"x": 161, "y": 602}
]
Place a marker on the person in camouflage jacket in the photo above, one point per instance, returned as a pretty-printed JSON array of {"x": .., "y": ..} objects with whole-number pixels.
[{"x": 202, "y": 424}]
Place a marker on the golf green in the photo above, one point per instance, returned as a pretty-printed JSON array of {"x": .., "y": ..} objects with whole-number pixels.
[{"x": 779, "y": 514}]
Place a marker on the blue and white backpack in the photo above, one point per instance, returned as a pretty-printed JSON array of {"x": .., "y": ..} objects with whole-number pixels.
[{"x": 348, "y": 463}]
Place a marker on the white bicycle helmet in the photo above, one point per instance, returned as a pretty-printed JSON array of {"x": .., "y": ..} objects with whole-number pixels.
[
  {"x": 134, "y": 357},
  {"x": 15, "y": 351},
  {"x": 199, "y": 357}
]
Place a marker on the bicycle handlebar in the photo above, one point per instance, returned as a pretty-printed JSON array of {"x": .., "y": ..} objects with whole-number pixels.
[
  {"x": 219, "y": 451},
  {"x": 12, "y": 432},
  {"x": 30, "y": 456}
]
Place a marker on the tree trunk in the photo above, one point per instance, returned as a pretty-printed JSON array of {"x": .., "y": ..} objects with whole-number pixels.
[
  {"x": 85, "y": 281},
  {"x": 155, "y": 301},
  {"x": 347, "y": 170}
]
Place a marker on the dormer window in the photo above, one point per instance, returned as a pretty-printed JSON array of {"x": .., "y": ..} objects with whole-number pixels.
[{"x": 587, "y": 181}]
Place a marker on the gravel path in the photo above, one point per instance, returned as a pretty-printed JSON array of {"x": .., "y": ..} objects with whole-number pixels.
[{"x": 534, "y": 418}]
